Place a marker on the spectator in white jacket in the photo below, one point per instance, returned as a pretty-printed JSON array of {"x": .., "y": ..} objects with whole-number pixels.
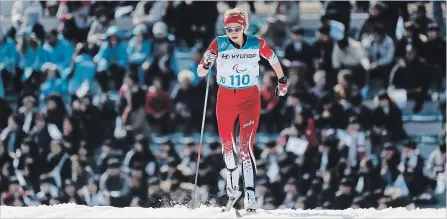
[{"x": 349, "y": 54}]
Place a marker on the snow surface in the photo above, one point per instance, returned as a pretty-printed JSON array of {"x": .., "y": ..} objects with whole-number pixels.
[{"x": 78, "y": 211}]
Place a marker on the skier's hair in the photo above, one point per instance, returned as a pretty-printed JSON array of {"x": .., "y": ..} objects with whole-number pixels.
[{"x": 238, "y": 11}]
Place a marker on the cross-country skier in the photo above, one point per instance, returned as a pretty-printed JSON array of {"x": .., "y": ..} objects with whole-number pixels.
[{"x": 237, "y": 55}]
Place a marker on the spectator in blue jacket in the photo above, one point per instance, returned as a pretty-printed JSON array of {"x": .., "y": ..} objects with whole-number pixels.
[
  {"x": 84, "y": 68},
  {"x": 138, "y": 50},
  {"x": 32, "y": 57},
  {"x": 8, "y": 58},
  {"x": 111, "y": 58},
  {"x": 58, "y": 50},
  {"x": 52, "y": 83}
]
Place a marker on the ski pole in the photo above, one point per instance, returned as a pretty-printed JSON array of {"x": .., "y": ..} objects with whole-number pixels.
[{"x": 201, "y": 138}]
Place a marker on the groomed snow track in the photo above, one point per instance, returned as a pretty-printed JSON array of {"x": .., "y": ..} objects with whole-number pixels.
[{"x": 78, "y": 211}]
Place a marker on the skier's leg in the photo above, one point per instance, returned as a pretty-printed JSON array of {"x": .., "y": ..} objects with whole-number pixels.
[
  {"x": 226, "y": 117},
  {"x": 248, "y": 120}
]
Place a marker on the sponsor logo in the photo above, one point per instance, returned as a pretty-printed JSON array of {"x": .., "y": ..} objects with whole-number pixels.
[
  {"x": 249, "y": 123},
  {"x": 238, "y": 56},
  {"x": 239, "y": 70},
  {"x": 223, "y": 45}
]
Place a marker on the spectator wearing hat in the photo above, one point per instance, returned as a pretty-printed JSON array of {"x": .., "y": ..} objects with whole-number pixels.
[
  {"x": 58, "y": 50},
  {"x": 345, "y": 195},
  {"x": 412, "y": 166},
  {"x": 411, "y": 37},
  {"x": 83, "y": 71},
  {"x": 420, "y": 19},
  {"x": 111, "y": 58},
  {"x": 323, "y": 49},
  {"x": 185, "y": 102},
  {"x": 163, "y": 50},
  {"x": 158, "y": 106},
  {"x": 348, "y": 54},
  {"x": 138, "y": 50},
  {"x": 380, "y": 52},
  {"x": 32, "y": 57},
  {"x": 113, "y": 184},
  {"x": 388, "y": 117},
  {"x": 70, "y": 195},
  {"x": 189, "y": 161},
  {"x": 377, "y": 15},
  {"x": 360, "y": 110},
  {"x": 298, "y": 50},
  {"x": 9, "y": 58},
  {"x": 330, "y": 113},
  {"x": 52, "y": 83},
  {"x": 435, "y": 55}
]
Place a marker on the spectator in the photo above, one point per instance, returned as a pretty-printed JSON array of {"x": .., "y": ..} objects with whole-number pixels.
[
  {"x": 134, "y": 113},
  {"x": 409, "y": 74},
  {"x": 84, "y": 69},
  {"x": 92, "y": 195},
  {"x": 435, "y": 55},
  {"x": 58, "y": 50},
  {"x": 148, "y": 12},
  {"x": 9, "y": 59},
  {"x": 164, "y": 64},
  {"x": 411, "y": 166},
  {"x": 141, "y": 154},
  {"x": 380, "y": 52},
  {"x": 138, "y": 50},
  {"x": 184, "y": 101},
  {"x": 387, "y": 117},
  {"x": 103, "y": 21},
  {"x": 338, "y": 11},
  {"x": 348, "y": 54},
  {"x": 298, "y": 50},
  {"x": 420, "y": 19},
  {"x": 31, "y": 60},
  {"x": 360, "y": 111},
  {"x": 158, "y": 106},
  {"x": 377, "y": 16},
  {"x": 323, "y": 48},
  {"x": 29, "y": 23},
  {"x": 435, "y": 168},
  {"x": 270, "y": 104},
  {"x": 111, "y": 59},
  {"x": 330, "y": 114},
  {"x": 411, "y": 37},
  {"x": 114, "y": 185},
  {"x": 58, "y": 164},
  {"x": 12, "y": 136},
  {"x": 70, "y": 195},
  {"x": 345, "y": 88},
  {"x": 52, "y": 83},
  {"x": 74, "y": 20}
]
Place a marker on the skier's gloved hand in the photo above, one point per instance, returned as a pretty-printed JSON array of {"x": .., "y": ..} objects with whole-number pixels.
[
  {"x": 209, "y": 58},
  {"x": 281, "y": 88}
]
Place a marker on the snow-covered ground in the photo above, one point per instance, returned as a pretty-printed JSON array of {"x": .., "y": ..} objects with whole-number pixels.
[{"x": 77, "y": 211}]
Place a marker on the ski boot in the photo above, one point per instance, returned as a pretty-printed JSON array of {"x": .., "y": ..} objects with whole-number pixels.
[
  {"x": 250, "y": 204},
  {"x": 233, "y": 196}
]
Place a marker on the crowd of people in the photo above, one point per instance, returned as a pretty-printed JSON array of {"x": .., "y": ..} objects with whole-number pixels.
[{"x": 65, "y": 140}]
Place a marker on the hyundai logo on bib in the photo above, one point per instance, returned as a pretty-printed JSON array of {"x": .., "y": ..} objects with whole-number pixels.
[
  {"x": 238, "y": 70},
  {"x": 238, "y": 56}
]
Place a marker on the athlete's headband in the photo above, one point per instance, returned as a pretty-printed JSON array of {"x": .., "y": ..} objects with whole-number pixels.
[{"x": 235, "y": 18}]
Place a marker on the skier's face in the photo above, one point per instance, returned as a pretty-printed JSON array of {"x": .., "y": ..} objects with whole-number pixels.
[{"x": 234, "y": 32}]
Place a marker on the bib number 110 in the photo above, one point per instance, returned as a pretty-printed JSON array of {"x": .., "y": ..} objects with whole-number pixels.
[{"x": 236, "y": 80}]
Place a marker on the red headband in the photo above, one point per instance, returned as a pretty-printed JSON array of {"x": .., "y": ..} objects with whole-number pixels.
[{"x": 235, "y": 18}]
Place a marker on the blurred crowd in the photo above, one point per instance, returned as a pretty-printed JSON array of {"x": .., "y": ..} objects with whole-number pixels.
[{"x": 64, "y": 139}]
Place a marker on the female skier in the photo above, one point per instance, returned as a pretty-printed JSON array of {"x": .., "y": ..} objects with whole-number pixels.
[{"x": 237, "y": 55}]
